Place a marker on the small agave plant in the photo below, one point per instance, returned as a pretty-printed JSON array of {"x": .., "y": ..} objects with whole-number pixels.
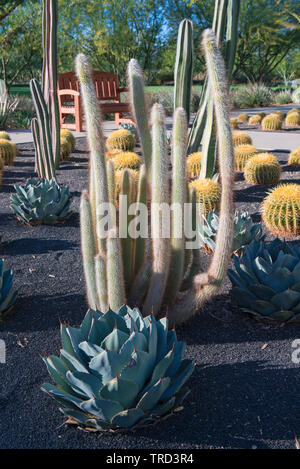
[
  {"x": 41, "y": 201},
  {"x": 245, "y": 231},
  {"x": 266, "y": 282},
  {"x": 7, "y": 294},
  {"x": 118, "y": 370}
]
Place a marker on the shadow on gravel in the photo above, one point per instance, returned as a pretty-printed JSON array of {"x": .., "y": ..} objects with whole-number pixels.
[{"x": 37, "y": 246}]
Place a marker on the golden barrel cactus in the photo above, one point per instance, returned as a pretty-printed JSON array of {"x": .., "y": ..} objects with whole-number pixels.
[
  {"x": 292, "y": 119},
  {"x": 271, "y": 122},
  {"x": 281, "y": 210},
  {"x": 193, "y": 164},
  {"x": 234, "y": 123},
  {"x": 67, "y": 135},
  {"x": 294, "y": 158},
  {"x": 255, "y": 120},
  {"x": 243, "y": 117},
  {"x": 110, "y": 154},
  {"x": 241, "y": 138},
  {"x": 4, "y": 135},
  {"x": 262, "y": 169},
  {"x": 65, "y": 149},
  {"x": 242, "y": 153},
  {"x": 127, "y": 159},
  {"x": 208, "y": 194},
  {"x": 121, "y": 139},
  {"x": 8, "y": 151}
]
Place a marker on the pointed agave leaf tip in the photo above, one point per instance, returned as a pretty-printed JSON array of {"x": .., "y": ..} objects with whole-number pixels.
[
  {"x": 134, "y": 349},
  {"x": 152, "y": 311},
  {"x": 116, "y": 326}
]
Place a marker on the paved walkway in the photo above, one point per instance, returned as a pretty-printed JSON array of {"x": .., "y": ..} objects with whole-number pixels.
[{"x": 270, "y": 141}]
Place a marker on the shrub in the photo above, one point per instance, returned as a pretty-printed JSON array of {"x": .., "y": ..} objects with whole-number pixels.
[
  {"x": 252, "y": 96},
  {"x": 296, "y": 96},
  {"x": 284, "y": 97}
]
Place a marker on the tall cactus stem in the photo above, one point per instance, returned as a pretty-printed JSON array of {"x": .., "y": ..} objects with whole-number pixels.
[
  {"x": 39, "y": 164},
  {"x": 160, "y": 196},
  {"x": 110, "y": 181},
  {"x": 183, "y": 72},
  {"x": 178, "y": 200},
  {"x": 88, "y": 250},
  {"x": 115, "y": 276},
  {"x": 100, "y": 270},
  {"x": 139, "y": 108},
  {"x": 140, "y": 243},
  {"x": 126, "y": 241}
]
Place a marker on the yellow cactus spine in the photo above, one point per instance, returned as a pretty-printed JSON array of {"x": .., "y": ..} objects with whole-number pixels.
[
  {"x": 271, "y": 122},
  {"x": 234, "y": 123},
  {"x": 121, "y": 139},
  {"x": 8, "y": 151},
  {"x": 193, "y": 164},
  {"x": 281, "y": 210},
  {"x": 242, "y": 153},
  {"x": 255, "y": 120},
  {"x": 67, "y": 134},
  {"x": 243, "y": 117},
  {"x": 208, "y": 194},
  {"x": 241, "y": 138},
  {"x": 262, "y": 169},
  {"x": 294, "y": 158},
  {"x": 4, "y": 135},
  {"x": 127, "y": 159},
  {"x": 292, "y": 119}
]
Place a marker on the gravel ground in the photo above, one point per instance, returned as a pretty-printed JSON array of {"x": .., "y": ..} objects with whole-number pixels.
[{"x": 245, "y": 389}]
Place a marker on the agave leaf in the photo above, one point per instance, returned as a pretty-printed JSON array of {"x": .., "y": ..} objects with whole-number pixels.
[
  {"x": 166, "y": 407},
  {"x": 296, "y": 272},
  {"x": 127, "y": 418},
  {"x": 181, "y": 396},
  {"x": 57, "y": 370},
  {"x": 107, "y": 364},
  {"x": 296, "y": 287},
  {"x": 76, "y": 415},
  {"x": 160, "y": 370},
  {"x": 90, "y": 350},
  {"x": 76, "y": 337},
  {"x": 64, "y": 397},
  {"x": 138, "y": 369},
  {"x": 286, "y": 300},
  {"x": 244, "y": 297},
  {"x": 262, "y": 291},
  {"x": 100, "y": 408},
  {"x": 162, "y": 330},
  {"x": 237, "y": 280},
  {"x": 152, "y": 342},
  {"x": 185, "y": 370},
  {"x": 120, "y": 390},
  {"x": 88, "y": 384},
  {"x": 280, "y": 280},
  {"x": 114, "y": 340},
  {"x": 150, "y": 398},
  {"x": 73, "y": 362},
  {"x": 179, "y": 348},
  {"x": 136, "y": 341},
  {"x": 282, "y": 315},
  {"x": 66, "y": 341},
  {"x": 87, "y": 324},
  {"x": 263, "y": 307},
  {"x": 285, "y": 260}
]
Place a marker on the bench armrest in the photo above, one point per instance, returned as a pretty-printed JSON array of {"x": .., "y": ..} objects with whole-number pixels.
[
  {"x": 68, "y": 93},
  {"x": 123, "y": 90}
]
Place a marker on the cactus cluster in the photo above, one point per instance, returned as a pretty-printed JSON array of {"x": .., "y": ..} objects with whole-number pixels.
[
  {"x": 281, "y": 210},
  {"x": 208, "y": 194},
  {"x": 242, "y": 153},
  {"x": 255, "y": 120},
  {"x": 292, "y": 119},
  {"x": 243, "y": 117},
  {"x": 266, "y": 281},
  {"x": 120, "y": 269},
  {"x": 193, "y": 164},
  {"x": 234, "y": 123},
  {"x": 271, "y": 122},
  {"x": 294, "y": 158},
  {"x": 8, "y": 151},
  {"x": 121, "y": 139},
  {"x": 262, "y": 169},
  {"x": 118, "y": 371},
  {"x": 241, "y": 138},
  {"x": 7, "y": 294},
  {"x": 110, "y": 154}
]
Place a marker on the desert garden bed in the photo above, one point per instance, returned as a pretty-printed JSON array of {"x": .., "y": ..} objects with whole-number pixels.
[{"x": 244, "y": 388}]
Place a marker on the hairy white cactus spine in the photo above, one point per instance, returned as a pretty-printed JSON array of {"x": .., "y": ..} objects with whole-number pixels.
[
  {"x": 100, "y": 271},
  {"x": 115, "y": 276},
  {"x": 160, "y": 196}
]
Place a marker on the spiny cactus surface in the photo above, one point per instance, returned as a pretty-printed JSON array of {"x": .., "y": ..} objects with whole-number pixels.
[
  {"x": 241, "y": 138},
  {"x": 8, "y": 151},
  {"x": 271, "y": 122},
  {"x": 255, "y": 120},
  {"x": 294, "y": 158},
  {"x": 193, "y": 164},
  {"x": 262, "y": 169},
  {"x": 208, "y": 194},
  {"x": 242, "y": 153},
  {"x": 121, "y": 139}
]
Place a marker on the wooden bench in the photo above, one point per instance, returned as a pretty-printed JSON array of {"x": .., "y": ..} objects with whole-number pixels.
[{"x": 108, "y": 93}]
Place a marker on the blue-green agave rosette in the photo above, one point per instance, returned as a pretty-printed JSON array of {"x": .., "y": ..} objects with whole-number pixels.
[
  {"x": 118, "y": 370},
  {"x": 7, "y": 294}
]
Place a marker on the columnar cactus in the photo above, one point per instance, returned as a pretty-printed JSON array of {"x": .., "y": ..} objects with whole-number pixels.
[
  {"x": 241, "y": 138},
  {"x": 134, "y": 270},
  {"x": 183, "y": 72},
  {"x": 262, "y": 169},
  {"x": 281, "y": 210}
]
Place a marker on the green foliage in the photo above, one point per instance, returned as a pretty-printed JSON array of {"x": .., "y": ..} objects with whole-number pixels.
[
  {"x": 284, "y": 97},
  {"x": 41, "y": 201},
  {"x": 118, "y": 371},
  {"x": 7, "y": 294},
  {"x": 266, "y": 281},
  {"x": 281, "y": 210},
  {"x": 245, "y": 231},
  {"x": 252, "y": 96}
]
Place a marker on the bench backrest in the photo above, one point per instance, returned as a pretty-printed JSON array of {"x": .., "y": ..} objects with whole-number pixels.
[{"x": 106, "y": 84}]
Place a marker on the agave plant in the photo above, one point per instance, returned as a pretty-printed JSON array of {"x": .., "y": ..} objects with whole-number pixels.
[
  {"x": 118, "y": 370},
  {"x": 266, "y": 283},
  {"x": 41, "y": 201},
  {"x": 245, "y": 231},
  {"x": 7, "y": 294}
]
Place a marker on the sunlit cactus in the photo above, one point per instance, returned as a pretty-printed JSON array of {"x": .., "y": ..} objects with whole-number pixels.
[
  {"x": 67, "y": 135},
  {"x": 243, "y": 117},
  {"x": 234, "y": 123},
  {"x": 65, "y": 149},
  {"x": 292, "y": 119},
  {"x": 262, "y": 169},
  {"x": 271, "y": 122},
  {"x": 127, "y": 159},
  {"x": 294, "y": 158},
  {"x": 110, "y": 154},
  {"x": 193, "y": 164},
  {"x": 281, "y": 210},
  {"x": 4, "y": 135},
  {"x": 255, "y": 120},
  {"x": 242, "y": 153},
  {"x": 8, "y": 151},
  {"x": 241, "y": 138},
  {"x": 208, "y": 194},
  {"x": 121, "y": 139}
]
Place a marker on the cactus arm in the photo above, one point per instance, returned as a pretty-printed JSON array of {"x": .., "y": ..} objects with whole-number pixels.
[
  {"x": 140, "y": 243},
  {"x": 178, "y": 200},
  {"x": 44, "y": 127},
  {"x": 50, "y": 72},
  {"x": 88, "y": 250},
  {"x": 39, "y": 164},
  {"x": 233, "y": 13},
  {"x": 100, "y": 270},
  {"x": 160, "y": 195},
  {"x": 115, "y": 276},
  {"x": 183, "y": 72},
  {"x": 138, "y": 104},
  {"x": 95, "y": 138},
  {"x": 126, "y": 241},
  {"x": 208, "y": 284},
  {"x": 208, "y": 143},
  {"x": 198, "y": 126},
  {"x": 110, "y": 181}
]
